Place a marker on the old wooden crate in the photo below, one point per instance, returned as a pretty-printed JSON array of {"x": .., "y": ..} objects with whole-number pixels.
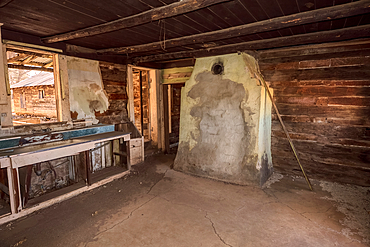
[{"x": 136, "y": 143}]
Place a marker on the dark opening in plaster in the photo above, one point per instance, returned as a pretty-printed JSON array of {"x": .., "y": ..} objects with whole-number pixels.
[{"x": 217, "y": 68}]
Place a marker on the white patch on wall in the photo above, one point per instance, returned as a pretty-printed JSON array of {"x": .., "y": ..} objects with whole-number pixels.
[{"x": 86, "y": 94}]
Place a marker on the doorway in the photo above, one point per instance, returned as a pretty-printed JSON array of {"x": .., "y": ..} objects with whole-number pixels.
[{"x": 142, "y": 102}]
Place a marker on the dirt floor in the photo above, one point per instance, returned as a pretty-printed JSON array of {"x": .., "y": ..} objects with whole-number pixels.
[{"x": 157, "y": 206}]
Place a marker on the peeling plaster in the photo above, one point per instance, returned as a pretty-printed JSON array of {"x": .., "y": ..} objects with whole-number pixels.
[
  {"x": 86, "y": 92},
  {"x": 225, "y": 122}
]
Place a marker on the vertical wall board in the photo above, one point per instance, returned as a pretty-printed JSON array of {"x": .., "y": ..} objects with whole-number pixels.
[
  {"x": 5, "y": 98},
  {"x": 117, "y": 158},
  {"x": 175, "y": 113},
  {"x": 130, "y": 93},
  {"x": 153, "y": 98},
  {"x": 166, "y": 118},
  {"x": 61, "y": 87},
  {"x": 108, "y": 154},
  {"x": 96, "y": 159}
]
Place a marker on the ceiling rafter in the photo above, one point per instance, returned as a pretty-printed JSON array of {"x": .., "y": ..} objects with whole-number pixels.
[
  {"x": 309, "y": 38},
  {"x": 329, "y": 13},
  {"x": 170, "y": 10}
]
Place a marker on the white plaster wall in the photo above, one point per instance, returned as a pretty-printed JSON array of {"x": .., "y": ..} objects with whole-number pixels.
[
  {"x": 86, "y": 94},
  {"x": 222, "y": 135}
]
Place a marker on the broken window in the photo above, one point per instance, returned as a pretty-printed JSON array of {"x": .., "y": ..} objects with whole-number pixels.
[{"x": 31, "y": 79}]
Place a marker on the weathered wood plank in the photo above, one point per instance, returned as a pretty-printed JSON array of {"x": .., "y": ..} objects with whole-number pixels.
[
  {"x": 15, "y": 66},
  {"x": 323, "y": 171},
  {"x": 345, "y": 112},
  {"x": 343, "y": 73},
  {"x": 330, "y": 13},
  {"x": 113, "y": 75},
  {"x": 312, "y": 64},
  {"x": 309, "y": 38},
  {"x": 117, "y": 96},
  {"x": 350, "y": 155},
  {"x": 331, "y": 49},
  {"x": 331, "y": 101},
  {"x": 325, "y": 129},
  {"x": 322, "y": 91},
  {"x": 331, "y": 83},
  {"x": 364, "y": 52},
  {"x": 166, "y": 11},
  {"x": 323, "y": 139},
  {"x": 358, "y": 121}
]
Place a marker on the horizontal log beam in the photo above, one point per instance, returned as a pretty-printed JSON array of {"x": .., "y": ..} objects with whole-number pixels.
[
  {"x": 167, "y": 11},
  {"x": 302, "y": 39},
  {"x": 14, "y": 66},
  {"x": 330, "y": 13}
]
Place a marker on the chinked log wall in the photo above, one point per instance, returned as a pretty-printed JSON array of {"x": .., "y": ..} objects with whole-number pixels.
[
  {"x": 323, "y": 95},
  {"x": 115, "y": 82}
]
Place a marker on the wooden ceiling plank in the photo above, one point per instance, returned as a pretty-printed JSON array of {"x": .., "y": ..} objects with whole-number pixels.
[
  {"x": 335, "y": 12},
  {"x": 48, "y": 65},
  {"x": 14, "y": 66},
  {"x": 27, "y": 60},
  {"x": 17, "y": 58},
  {"x": 290, "y": 7},
  {"x": 309, "y": 38},
  {"x": 135, "y": 20}
]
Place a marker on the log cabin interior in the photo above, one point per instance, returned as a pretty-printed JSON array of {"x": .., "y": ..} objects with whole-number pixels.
[{"x": 234, "y": 92}]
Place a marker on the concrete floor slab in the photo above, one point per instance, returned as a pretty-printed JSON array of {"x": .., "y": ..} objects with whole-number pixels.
[{"x": 157, "y": 206}]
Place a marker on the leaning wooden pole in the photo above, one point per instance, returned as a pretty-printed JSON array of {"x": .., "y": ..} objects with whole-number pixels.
[{"x": 285, "y": 130}]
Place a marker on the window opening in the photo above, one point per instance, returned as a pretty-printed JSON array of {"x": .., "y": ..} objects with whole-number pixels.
[
  {"x": 31, "y": 78},
  {"x": 41, "y": 93}
]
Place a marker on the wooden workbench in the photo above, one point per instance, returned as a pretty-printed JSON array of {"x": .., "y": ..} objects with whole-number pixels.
[{"x": 14, "y": 158}]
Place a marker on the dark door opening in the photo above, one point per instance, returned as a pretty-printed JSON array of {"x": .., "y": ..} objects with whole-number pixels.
[{"x": 141, "y": 102}]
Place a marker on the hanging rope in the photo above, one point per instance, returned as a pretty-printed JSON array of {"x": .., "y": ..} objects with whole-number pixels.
[{"x": 162, "y": 24}]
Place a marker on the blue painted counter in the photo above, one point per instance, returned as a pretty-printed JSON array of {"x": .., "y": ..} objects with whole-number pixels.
[{"x": 15, "y": 141}]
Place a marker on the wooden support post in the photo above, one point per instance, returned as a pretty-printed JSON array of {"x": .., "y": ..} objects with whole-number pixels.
[
  {"x": 116, "y": 149},
  {"x": 6, "y": 119},
  {"x": 12, "y": 191},
  {"x": 88, "y": 167},
  {"x": 166, "y": 119},
  {"x": 27, "y": 185},
  {"x": 128, "y": 155},
  {"x": 17, "y": 194},
  {"x": 141, "y": 103}
]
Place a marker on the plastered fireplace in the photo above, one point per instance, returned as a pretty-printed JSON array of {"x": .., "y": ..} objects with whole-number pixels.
[{"x": 225, "y": 122}]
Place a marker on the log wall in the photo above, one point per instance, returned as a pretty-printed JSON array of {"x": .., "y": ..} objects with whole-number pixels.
[
  {"x": 323, "y": 95},
  {"x": 115, "y": 81},
  {"x": 33, "y": 105},
  {"x": 141, "y": 102}
]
